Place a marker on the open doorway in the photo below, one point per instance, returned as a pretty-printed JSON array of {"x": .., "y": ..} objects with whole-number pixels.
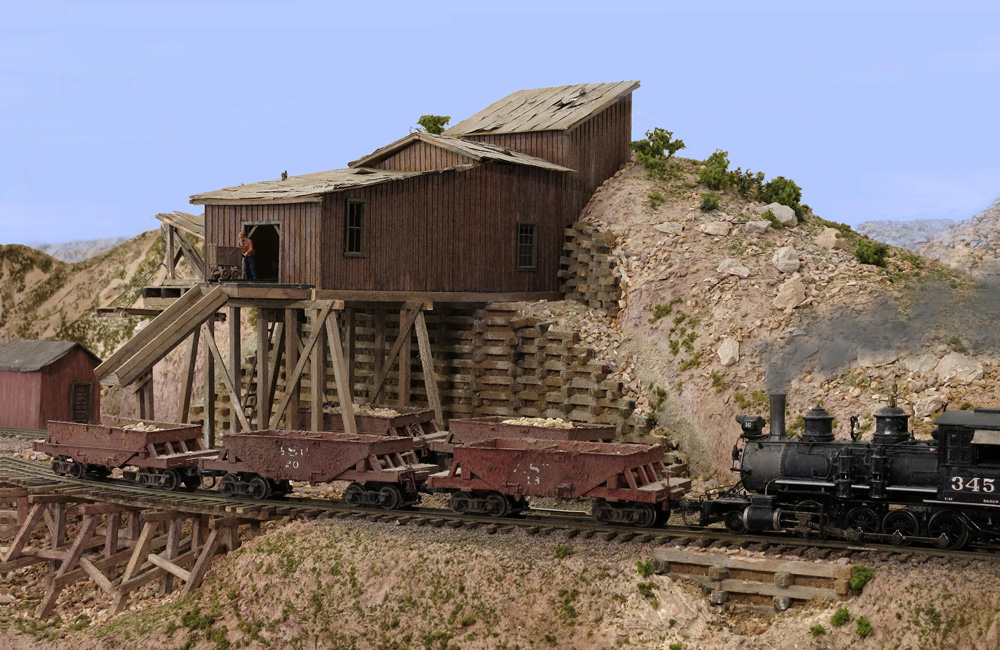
[{"x": 266, "y": 238}]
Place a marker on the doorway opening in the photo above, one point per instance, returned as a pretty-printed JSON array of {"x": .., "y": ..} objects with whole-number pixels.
[{"x": 266, "y": 240}]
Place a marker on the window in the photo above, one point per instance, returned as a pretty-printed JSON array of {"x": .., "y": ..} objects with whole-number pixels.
[
  {"x": 354, "y": 228},
  {"x": 526, "y": 255}
]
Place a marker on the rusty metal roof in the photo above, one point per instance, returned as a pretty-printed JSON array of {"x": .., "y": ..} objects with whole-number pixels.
[
  {"x": 544, "y": 109},
  {"x": 476, "y": 151},
  {"x": 308, "y": 188},
  {"x": 29, "y": 355}
]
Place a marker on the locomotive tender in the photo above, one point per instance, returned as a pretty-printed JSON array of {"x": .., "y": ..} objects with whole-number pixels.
[{"x": 944, "y": 491}]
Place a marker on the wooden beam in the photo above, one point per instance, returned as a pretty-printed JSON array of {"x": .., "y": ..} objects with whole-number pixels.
[
  {"x": 405, "y": 356},
  {"x": 226, "y": 377},
  {"x": 204, "y": 560},
  {"x": 135, "y": 563},
  {"x": 87, "y": 528},
  {"x": 379, "y": 344},
  {"x": 344, "y": 395},
  {"x": 208, "y": 328},
  {"x": 191, "y": 255},
  {"x": 291, "y": 397},
  {"x": 33, "y": 519},
  {"x": 274, "y": 358},
  {"x": 427, "y": 364},
  {"x": 318, "y": 372},
  {"x": 350, "y": 344},
  {"x": 169, "y": 567},
  {"x": 404, "y": 333},
  {"x": 171, "y": 260},
  {"x": 174, "y": 530},
  {"x": 184, "y": 408},
  {"x": 97, "y": 576},
  {"x": 114, "y": 521},
  {"x": 399, "y": 297},
  {"x": 263, "y": 407},
  {"x": 235, "y": 361},
  {"x": 292, "y": 377}
]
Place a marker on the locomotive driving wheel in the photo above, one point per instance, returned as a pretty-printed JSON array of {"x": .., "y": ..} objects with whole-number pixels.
[
  {"x": 862, "y": 518},
  {"x": 735, "y": 522},
  {"x": 903, "y": 522},
  {"x": 951, "y": 527}
]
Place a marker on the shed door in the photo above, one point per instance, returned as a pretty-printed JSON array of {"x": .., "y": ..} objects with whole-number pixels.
[{"x": 81, "y": 397}]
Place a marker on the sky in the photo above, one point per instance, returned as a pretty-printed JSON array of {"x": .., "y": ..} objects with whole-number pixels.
[{"x": 113, "y": 112}]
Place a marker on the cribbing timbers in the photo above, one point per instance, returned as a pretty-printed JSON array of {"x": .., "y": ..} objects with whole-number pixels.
[
  {"x": 292, "y": 378},
  {"x": 427, "y": 364},
  {"x": 227, "y": 378},
  {"x": 340, "y": 374}
]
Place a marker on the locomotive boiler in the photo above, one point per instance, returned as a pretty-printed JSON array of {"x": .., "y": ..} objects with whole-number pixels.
[{"x": 894, "y": 488}]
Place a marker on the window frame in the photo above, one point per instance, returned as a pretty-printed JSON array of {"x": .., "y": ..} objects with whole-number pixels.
[
  {"x": 361, "y": 228},
  {"x": 518, "y": 244}
]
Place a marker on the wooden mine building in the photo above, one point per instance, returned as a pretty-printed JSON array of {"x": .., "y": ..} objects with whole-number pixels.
[
  {"x": 475, "y": 215},
  {"x": 47, "y": 380}
]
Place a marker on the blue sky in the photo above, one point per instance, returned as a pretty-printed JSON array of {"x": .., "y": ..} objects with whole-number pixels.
[{"x": 113, "y": 112}]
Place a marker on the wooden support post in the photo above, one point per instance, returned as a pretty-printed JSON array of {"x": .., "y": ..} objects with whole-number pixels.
[
  {"x": 174, "y": 529},
  {"x": 133, "y": 527},
  {"x": 411, "y": 309},
  {"x": 318, "y": 372},
  {"x": 226, "y": 379},
  {"x": 340, "y": 374},
  {"x": 139, "y": 553},
  {"x": 57, "y": 527},
  {"x": 184, "y": 409},
  {"x": 170, "y": 255},
  {"x": 350, "y": 343},
  {"x": 405, "y": 355},
  {"x": 427, "y": 364},
  {"x": 274, "y": 360},
  {"x": 209, "y": 328},
  {"x": 291, "y": 359},
  {"x": 235, "y": 360},
  {"x": 30, "y": 522},
  {"x": 263, "y": 405},
  {"x": 199, "y": 524},
  {"x": 204, "y": 561},
  {"x": 72, "y": 558},
  {"x": 293, "y": 376},
  {"x": 379, "y": 345},
  {"x": 22, "y": 510},
  {"x": 112, "y": 523}
]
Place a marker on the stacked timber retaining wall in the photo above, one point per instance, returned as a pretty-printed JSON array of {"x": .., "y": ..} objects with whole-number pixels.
[{"x": 587, "y": 268}]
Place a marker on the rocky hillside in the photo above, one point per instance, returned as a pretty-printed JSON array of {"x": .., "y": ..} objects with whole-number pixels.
[
  {"x": 43, "y": 297},
  {"x": 972, "y": 246},
  {"x": 910, "y": 235},
  {"x": 79, "y": 250}
]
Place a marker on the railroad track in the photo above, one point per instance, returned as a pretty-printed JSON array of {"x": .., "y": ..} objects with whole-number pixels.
[{"x": 565, "y": 524}]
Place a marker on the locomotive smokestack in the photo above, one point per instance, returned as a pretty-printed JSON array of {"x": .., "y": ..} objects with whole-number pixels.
[{"x": 777, "y": 415}]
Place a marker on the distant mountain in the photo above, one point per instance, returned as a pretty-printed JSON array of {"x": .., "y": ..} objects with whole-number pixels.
[
  {"x": 972, "y": 246},
  {"x": 905, "y": 234},
  {"x": 77, "y": 251}
]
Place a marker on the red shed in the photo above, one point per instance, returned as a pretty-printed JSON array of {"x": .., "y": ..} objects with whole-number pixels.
[{"x": 47, "y": 380}]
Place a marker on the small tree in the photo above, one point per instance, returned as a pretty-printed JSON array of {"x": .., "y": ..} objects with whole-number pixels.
[
  {"x": 746, "y": 182},
  {"x": 434, "y": 123},
  {"x": 784, "y": 191},
  {"x": 871, "y": 252},
  {"x": 654, "y": 152},
  {"x": 714, "y": 175}
]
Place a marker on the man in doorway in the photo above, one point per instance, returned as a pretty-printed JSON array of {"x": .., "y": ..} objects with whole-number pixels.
[{"x": 249, "y": 263}]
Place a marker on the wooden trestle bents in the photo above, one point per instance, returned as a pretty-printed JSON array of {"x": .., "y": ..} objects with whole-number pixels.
[{"x": 119, "y": 548}]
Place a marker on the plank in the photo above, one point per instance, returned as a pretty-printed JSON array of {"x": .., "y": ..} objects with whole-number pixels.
[
  {"x": 235, "y": 360},
  {"x": 404, "y": 333},
  {"x": 340, "y": 374},
  {"x": 227, "y": 380},
  {"x": 427, "y": 364},
  {"x": 291, "y": 396},
  {"x": 318, "y": 373},
  {"x": 292, "y": 378},
  {"x": 811, "y": 569},
  {"x": 184, "y": 407}
]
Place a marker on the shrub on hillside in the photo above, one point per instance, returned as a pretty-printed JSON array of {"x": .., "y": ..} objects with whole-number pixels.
[
  {"x": 655, "y": 150},
  {"x": 713, "y": 174},
  {"x": 871, "y": 252},
  {"x": 434, "y": 123},
  {"x": 709, "y": 201},
  {"x": 774, "y": 221},
  {"x": 784, "y": 191},
  {"x": 746, "y": 183}
]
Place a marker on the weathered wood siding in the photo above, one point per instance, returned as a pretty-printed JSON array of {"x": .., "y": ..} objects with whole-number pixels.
[
  {"x": 57, "y": 377},
  {"x": 299, "y": 241},
  {"x": 420, "y": 156},
  {"x": 548, "y": 145},
  {"x": 20, "y": 396},
  {"x": 454, "y": 231}
]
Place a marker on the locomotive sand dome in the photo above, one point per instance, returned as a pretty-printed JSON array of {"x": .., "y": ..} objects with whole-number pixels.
[{"x": 895, "y": 488}]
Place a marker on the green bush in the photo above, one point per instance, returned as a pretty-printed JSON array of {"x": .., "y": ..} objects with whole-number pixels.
[
  {"x": 860, "y": 576},
  {"x": 864, "y": 627},
  {"x": 784, "y": 191},
  {"x": 817, "y": 630},
  {"x": 746, "y": 183},
  {"x": 646, "y": 568},
  {"x": 709, "y": 201},
  {"x": 775, "y": 222},
  {"x": 714, "y": 175},
  {"x": 871, "y": 252},
  {"x": 840, "y": 617},
  {"x": 655, "y": 150},
  {"x": 434, "y": 123},
  {"x": 655, "y": 199}
]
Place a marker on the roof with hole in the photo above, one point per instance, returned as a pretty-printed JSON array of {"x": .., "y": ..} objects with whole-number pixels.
[
  {"x": 544, "y": 109},
  {"x": 475, "y": 151},
  {"x": 29, "y": 355}
]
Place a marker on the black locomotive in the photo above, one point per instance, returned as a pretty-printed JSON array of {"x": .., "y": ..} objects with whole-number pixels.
[{"x": 897, "y": 489}]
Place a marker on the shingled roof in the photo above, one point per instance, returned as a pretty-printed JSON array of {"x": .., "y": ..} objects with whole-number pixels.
[
  {"x": 475, "y": 151},
  {"x": 544, "y": 109},
  {"x": 29, "y": 355}
]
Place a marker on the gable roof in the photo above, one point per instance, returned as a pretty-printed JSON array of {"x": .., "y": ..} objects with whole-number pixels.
[
  {"x": 29, "y": 355},
  {"x": 476, "y": 151},
  {"x": 544, "y": 109}
]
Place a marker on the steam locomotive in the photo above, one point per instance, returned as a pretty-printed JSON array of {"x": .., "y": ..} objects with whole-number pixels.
[{"x": 896, "y": 489}]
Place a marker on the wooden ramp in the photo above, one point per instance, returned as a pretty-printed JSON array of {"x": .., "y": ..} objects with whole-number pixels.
[{"x": 134, "y": 359}]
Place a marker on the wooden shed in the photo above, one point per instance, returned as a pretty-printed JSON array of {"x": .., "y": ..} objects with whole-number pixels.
[
  {"x": 476, "y": 214},
  {"x": 47, "y": 380}
]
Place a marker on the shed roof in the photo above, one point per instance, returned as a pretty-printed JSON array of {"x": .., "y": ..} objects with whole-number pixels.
[
  {"x": 476, "y": 151},
  {"x": 544, "y": 109},
  {"x": 29, "y": 355},
  {"x": 191, "y": 223}
]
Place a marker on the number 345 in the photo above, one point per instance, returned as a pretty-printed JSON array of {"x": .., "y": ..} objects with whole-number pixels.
[{"x": 973, "y": 484}]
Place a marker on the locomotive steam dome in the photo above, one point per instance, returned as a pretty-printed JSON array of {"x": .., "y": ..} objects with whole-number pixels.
[
  {"x": 891, "y": 426},
  {"x": 819, "y": 425}
]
